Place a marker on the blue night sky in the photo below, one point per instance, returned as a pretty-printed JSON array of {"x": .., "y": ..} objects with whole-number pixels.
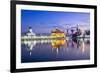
[{"x": 45, "y": 21}]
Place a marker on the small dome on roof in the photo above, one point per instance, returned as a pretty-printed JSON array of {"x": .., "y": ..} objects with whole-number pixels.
[{"x": 30, "y": 32}]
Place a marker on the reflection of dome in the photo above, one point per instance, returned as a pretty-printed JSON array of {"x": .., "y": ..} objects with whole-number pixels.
[
  {"x": 57, "y": 43},
  {"x": 30, "y": 45}
]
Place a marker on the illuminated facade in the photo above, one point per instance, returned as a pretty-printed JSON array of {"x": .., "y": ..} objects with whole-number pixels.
[
  {"x": 58, "y": 39},
  {"x": 57, "y": 34}
]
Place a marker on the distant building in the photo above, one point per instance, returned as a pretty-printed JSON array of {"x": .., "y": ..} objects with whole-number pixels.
[
  {"x": 57, "y": 34},
  {"x": 30, "y": 32}
]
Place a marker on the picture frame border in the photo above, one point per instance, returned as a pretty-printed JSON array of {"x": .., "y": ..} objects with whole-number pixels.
[{"x": 13, "y": 35}]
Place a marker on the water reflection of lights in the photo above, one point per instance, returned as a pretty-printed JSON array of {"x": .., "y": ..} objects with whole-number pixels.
[
  {"x": 33, "y": 43},
  {"x": 58, "y": 44},
  {"x": 84, "y": 45},
  {"x": 30, "y": 45}
]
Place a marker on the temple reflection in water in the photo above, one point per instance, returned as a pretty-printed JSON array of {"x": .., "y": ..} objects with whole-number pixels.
[
  {"x": 52, "y": 50},
  {"x": 56, "y": 47}
]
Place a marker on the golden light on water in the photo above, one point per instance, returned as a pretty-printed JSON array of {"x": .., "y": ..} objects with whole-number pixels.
[
  {"x": 57, "y": 43},
  {"x": 58, "y": 39}
]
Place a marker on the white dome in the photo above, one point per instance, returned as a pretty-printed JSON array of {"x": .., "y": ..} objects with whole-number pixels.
[{"x": 30, "y": 32}]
